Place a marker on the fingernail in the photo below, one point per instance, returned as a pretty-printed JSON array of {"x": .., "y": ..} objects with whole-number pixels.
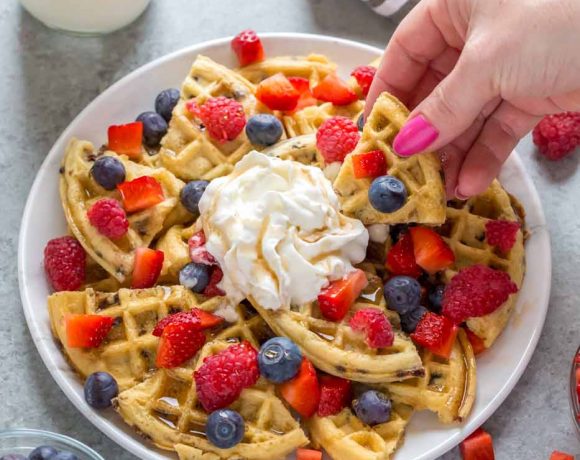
[
  {"x": 459, "y": 195},
  {"x": 414, "y": 137}
]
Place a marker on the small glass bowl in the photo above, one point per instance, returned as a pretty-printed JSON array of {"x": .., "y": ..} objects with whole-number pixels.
[
  {"x": 22, "y": 441},
  {"x": 574, "y": 393}
]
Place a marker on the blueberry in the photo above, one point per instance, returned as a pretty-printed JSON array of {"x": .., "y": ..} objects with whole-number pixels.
[
  {"x": 100, "y": 389},
  {"x": 279, "y": 359},
  {"x": 64, "y": 456},
  {"x": 165, "y": 101},
  {"x": 108, "y": 172},
  {"x": 436, "y": 297},
  {"x": 154, "y": 128},
  {"x": 224, "y": 428},
  {"x": 195, "y": 276},
  {"x": 42, "y": 453},
  {"x": 410, "y": 320},
  {"x": 191, "y": 194},
  {"x": 264, "y": 129},
  {"x": 360, "y": 122},
  {"x": 372, "y": 407},
  {"x": 402, "y": 293},
  {"x": 13, "y": 457},
  {"x": 387, "y": 194}
]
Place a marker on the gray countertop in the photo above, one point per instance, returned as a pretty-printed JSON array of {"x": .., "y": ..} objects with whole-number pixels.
[{"x": 46, "y": 78}]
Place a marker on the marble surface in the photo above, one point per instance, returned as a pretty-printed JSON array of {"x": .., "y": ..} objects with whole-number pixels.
[{"x": 46, "y": 78}]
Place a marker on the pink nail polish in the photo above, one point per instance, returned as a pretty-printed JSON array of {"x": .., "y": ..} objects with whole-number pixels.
[{"x": 414, "y": 137}]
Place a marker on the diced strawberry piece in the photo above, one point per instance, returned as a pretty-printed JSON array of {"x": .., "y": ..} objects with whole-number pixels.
[
  {"x": 336, "y": 299},
  {"x": 302, "y": 392},
  {"x": 432, "y": 253},
  {"x": 557, "y": 455},
  {"x": 436, "y": 333},
  {"x": 401, "y": 258},
  {"x": 277, "y": 93},
  {"x": 199, "y": 318},
  {"x": 308, "y": 454},
  {"x": 197, "y": 251},
  {"x": 212, "y": 289},
  {"x": 475, "y": 341},
  {"x": 302, "y": 85},
  {"x": 369, "y": 164},
  {"x": 87, "y": 331},
  {"x": 148, "y": 264},
  {"x": 126, "y": 139},
  {"x": 179, "y": 342},
  {"x": 248, "y": 47},
  {"x": 141, "y": 193},
  {"x": 375, "y": 325},
  {"x": 477, "y": 446},
  {"x": 335, "y": 395},
  {"x": 333, "y": 89}
]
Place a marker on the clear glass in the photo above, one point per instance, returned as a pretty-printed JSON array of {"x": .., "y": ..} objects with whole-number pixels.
[
  {"x": 23, "y": 441},
  {"x": 574, "y": 393}
]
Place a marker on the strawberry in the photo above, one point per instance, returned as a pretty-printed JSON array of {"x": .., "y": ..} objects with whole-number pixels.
[
  {"x": 435, "y": 333},
  {"x": 375, "y": 325},
  {"x": 477, "y": 446},
  {"x": 401, "y": 258},
  {"x": 475, "y": 341},
  {"x": 212, "y": 290},
  {"x": 333, "y": 89},
  {"x": 335, "y": 395},
  {"x": 557, "y": 455},
  {"x": 308, "y": 454},
  {"x": 364, "y": 76},
  {"x": 141, "y": 193},
  {"x": 200, "y": 318},
  {"x": 87, "y": 331},
  {"x": 369, "y": 164},
  {"x": 302, "y": 85},
  {"x": 432, "y": 254},
  {"x": 502, "y": 233},
  {"x": 248, "y": 47},
  {"x": 126, "y": 139},
  {"x": 197, "y": 251},
  {"x": 148, "y": 264},
  {"x": 179, "y": 342},
  {"x": 302, "y": 392},
  {"x": 277, "y": 93},
  {"x": 336, "y": 299}
]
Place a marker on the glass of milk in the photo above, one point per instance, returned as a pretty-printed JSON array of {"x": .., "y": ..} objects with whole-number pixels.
[{"x": 87, "y": 17}]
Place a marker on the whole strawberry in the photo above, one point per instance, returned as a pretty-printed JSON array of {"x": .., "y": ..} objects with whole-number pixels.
[
  {"x": 64, "y": 263},
  {"x": 558, "y": 135}
]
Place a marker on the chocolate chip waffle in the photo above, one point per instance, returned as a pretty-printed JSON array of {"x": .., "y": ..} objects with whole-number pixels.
[
  {"x": 174, "y": 245},
  {"x": 309, "y": 119}
]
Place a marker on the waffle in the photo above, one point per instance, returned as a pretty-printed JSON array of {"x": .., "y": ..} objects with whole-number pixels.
[
  {"x": 301, "y": 149},
  {"x": 187, "y": 150},
  {"x": 464, "y": 231},
  {"x": 420, "y": 173},
  {"x": 79, "y": 191},
  {"x": 165, "y": 408},
  {"x": 174, "y": 245}
]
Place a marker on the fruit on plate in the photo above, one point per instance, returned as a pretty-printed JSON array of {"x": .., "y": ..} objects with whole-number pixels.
[
  {"x": 502, "y": 233},
  {"x": 436, "y": 333},
  {"x": 197, "y": 251},
  {"x": 212, "y": 289},
  {"x": 410, "y": 320},
  {"x": 148, "y": 264},
  {"x": 364, "y": 76},
  {"x": 372, "y": 407},
  {"x": 223, "y": 118},
  {"x": 336, "y": 138},
  {"x": 264, "y": 129},
  {"x": 191, "y": 194},
  {"x": 401, "y": 257},
  {"x": 248, "y": 47},
  {"x": 335, "y": 395},
  {"x": 179, "y": 342},
  {"x": 432, "y": 253},
  {"x": 225, "y": 428},
  {"x": 477, "y": 446},
  {"x": 166, "y": 101},
  {"x": 303, "y": 392},
  {"x": 557, "y": 455},
  {"x": 375, "y": 326},
  {"x": 279, "y": 359},
  {"x": 308, "y": 454},
  {"x": 65, "y": 263},
  {"x": 277, "y": 93},
  {"x": 476, "y": 342},
  {"x": 154, "y": 128},
  {"x": 302, "y": 85},
  {"x": 201, "y": 318},
  {"x": 402, "y": 294},
  {"x": 333, "y": 89},
  {"x": 369, "y": 164},
  {"x": 195, "y": 276},
  {"x": 109, "y": 218},
  {"x": 387, "y": 194},
  {"x": 100, "y": 389},
  {"x": 336, "y": 299},
  {"x": 141, "y": 193},
  {"x": 126, "y": 139},
  {"x": 87, "y": 331},
  {"x": 108, "y": 172}
]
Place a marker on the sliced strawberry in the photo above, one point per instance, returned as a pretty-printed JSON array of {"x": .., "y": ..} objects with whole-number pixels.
[
  {"x": 302, "y": 392},
  {"x": 475, "y": 341},
  {"x": 248, "y": 47},
  {"x": 212, "y": 290},
  {"x": 431, "y": 252},
  {"x": 308, "y": 454},
  {"x": 141, "y": 193},
  {"x": 369, "y": 164},
  {"x": 126, "y": 139},
  {"x": 197, "y": 251},
  {"x": 401, "y": 258},
  {"x": 436, "y": 333},
  {"x": 333, "y": 89},
  {"x": 277, "y": 93},
  {"x": 302, "y": 85},
  {"x": 199, "y": 318},
  {"x": 87, "y": 331},
  {"x": 148, "y": 264},
  {"x": 335, "y": 395},
  {"x": 336, "y": 299},
  {"x": 179, "y": 342},
  {"x": 557, "y": 455},
  {"x": 477, "y": 446}
]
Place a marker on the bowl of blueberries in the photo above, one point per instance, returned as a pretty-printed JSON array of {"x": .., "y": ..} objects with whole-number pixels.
[{"x": 26, "y": 444}]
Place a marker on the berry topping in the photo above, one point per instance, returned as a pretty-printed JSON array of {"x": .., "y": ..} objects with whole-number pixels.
[
  {"x": 336, "y": 138},
  {"x": 372, "y": 407},
  {"x": 402, "y": 294},
  {"x": 224, "y": 428},
  {"x": 303, "y": 392},
  {"x": 108, "y": 172},
  {"x": 212, "y": 288},
  {"x": 557, "y": 455},
  {"x": 109, "y": 218},
  {"x": 222, "y": 377},
  {"x": 141, "y": 193},
  {"x": 64, "y": 263},
  {"x": 476, "y": 291},
  {"x": 154, "y": 128},
  {"x": 308, "y": 454},
  {"x": 180, "y": 341},
  {"x": 476, "y": 342},
  {"x": 197, "y": 251},
  {"x": 401, "y": 257},
  {"x": 432, "y": 253},
  {"x": 87, "y": 331},
  {"x": 375, "y": 325},
  {"x": 223, "y": 118},
  {"x": 387, "y": 194},
  {"x": 369, "y": 164},
  {"x": 360, "y": 122},
  {"x": 336, "y": 299},
  {"x": 335, "y": 395},
  {"x": 277, "y": 93},
  {"x": 333, "y": 89},
  {"x": 64, "y": 456},
  {"x": 148, "y": 264},
  {"x": 436, "y": 297},
  {"x": 248, "y": 47},
  {"x": 126, "y": 139},
  {"x": 410, "y": 319},
  {"x": 364, "y": 75},
  {"x": 42, "y": 453},
  {"x": 302, "y": 85},
  {"x": 195, "y": 276},
  {"x": 558, "y": 135},
  {"x": 435, "y": 333},
  {"x": 502, "y": 233},
  {"x": 477, "y": 446},
  {"x": 166, "y": 101},
  {"x": 191, "y": 194},
  {"x": 264, "y": 129},
  {"x": 100, "y": 390},
  {"x": 200, "y": 318},
  {"x": 279, "y": 359}
]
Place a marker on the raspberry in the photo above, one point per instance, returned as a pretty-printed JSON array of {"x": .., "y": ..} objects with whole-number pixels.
[
  {"x": 197, "y": 251},
  {"x": 558, "y": 135},
  {"x": 223, "y": 118},
  {"x": 335, "y": 394},
  {"x": 375, "y": 324},
  {"x": 336, "y": 138},
  {"x": 364, "y": 75},
  {"x": 222, "y": 377},
  {"x": 64, "y": 263},
  {"x": 109, "y": 218},
  {"x": 476, "y": 291},
  {"x": 212, "y": 288},
  {"x": 502, "y": 233}
]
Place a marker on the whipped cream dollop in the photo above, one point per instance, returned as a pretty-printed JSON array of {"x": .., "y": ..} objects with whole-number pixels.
[{"x": 275, "y": 228}]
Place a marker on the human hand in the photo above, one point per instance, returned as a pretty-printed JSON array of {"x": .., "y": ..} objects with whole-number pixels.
[{"x": 479, "y": 74}]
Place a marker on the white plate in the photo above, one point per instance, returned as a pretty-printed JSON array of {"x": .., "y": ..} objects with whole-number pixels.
[{"x": 498, "y": 369}]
